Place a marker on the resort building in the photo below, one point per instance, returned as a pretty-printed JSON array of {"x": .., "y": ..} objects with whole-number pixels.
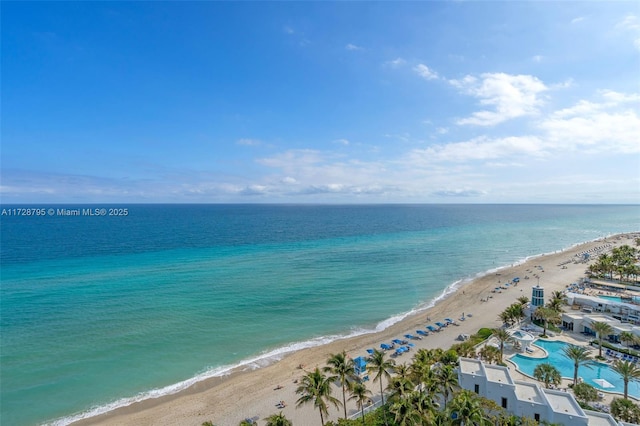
[
  {"x": 526, "y": 399},
  {"x": 582, "y": 322},
  {"x": 613, "y": 307}
]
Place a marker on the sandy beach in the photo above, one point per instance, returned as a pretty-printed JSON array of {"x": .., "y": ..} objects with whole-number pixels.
[{"x": 255, "y": 393}]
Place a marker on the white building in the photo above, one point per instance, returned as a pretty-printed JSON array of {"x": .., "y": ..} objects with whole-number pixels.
[
  {"x": 623, "y": 311},
  {"x": 582, "y": 322},
  {"x": 526, "y": 399}
]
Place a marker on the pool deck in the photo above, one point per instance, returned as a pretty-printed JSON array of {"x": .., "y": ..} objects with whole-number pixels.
[{"x": 540, "y": 353}]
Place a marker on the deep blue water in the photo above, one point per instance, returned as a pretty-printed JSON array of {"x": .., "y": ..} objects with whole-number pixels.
[{"x": 98, "y": 309}]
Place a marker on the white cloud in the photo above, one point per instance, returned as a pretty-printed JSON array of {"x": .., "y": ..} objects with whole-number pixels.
[
  {"x": 477, "y": 149},
  {"x": 537, "y": 58},
  {"x": 629, "y": 22},
  {"x": 288, "y": 30},
  {"x": 396, "y": 63},
  {"x": 351, "y": 46},
  {"x": 424, "y": 72},
  {"x": 342, "y": 141},
  {"x": 578, "y": 19},
  {"x": 511, "y": 96},
  {"x": 610, "y": 126}
]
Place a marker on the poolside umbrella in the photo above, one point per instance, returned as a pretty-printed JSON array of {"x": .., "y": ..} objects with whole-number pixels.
[{"x": 603, "y": 383}]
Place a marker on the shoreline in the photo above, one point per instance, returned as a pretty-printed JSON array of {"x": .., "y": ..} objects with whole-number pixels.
[{"x": 233, "y": 393}]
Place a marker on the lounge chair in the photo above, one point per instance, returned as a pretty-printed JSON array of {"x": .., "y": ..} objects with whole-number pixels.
[
  {"x": 441, "y": 325},
  {"x": 411, "y": 336},
  {"x": 432, "y": 328},
  {"x": 422, "y": 332}
]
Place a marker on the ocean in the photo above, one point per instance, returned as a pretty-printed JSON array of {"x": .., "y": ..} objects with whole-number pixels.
[{"x": 99, "y": 310}]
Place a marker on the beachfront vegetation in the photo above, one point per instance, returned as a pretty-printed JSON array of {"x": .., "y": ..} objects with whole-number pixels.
[
  {"x": 489, "y": 354},
  {"x": 625, "y": 410},
  {"x": 503, "y": 337},
  {"x": 278, "y": 420},
  {"x": 547, "y": 374},
  {"x": 585, "y": 393},
  {"x": 315, "y": 388},
  {"x": 512, "y": 314},
  {"x": 361, "y": 395},
  {"x": 344, "y": 371},
  {"x": 557, "y": 301},
  {"x": 547, "y": 316},
  {"x": 628, "y": 371},
  {"x": 580, "y": 357},
  {"x": 628, "y": 338},
  {"x": 602, "y": 329},
  {"x": 621, "y": 261}
]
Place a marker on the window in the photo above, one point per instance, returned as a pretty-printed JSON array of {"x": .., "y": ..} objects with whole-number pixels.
[
  {"x": 476, "y": 388},
  {"x": 504, "y": 402},
  {"x": 536, "y": 417}
]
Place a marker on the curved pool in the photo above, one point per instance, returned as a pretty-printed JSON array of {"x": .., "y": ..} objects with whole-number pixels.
[{"x": 556, "y": 357}]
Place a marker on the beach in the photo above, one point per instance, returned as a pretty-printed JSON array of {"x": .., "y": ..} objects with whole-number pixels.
[{"x": 250, "y": 393}]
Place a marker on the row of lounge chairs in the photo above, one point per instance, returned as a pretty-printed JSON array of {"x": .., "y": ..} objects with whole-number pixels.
[
  {"x": 400, "y": 346},
  {"x": 623, "y": 357}
]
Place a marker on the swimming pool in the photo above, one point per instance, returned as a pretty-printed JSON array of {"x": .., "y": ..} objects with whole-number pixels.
[
  {"x": 565, "y": 366},
  {"x": 636, "y": 299}
]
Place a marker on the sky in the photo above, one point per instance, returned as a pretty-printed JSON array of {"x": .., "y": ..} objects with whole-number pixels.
[{"x": 320, "y": 102}]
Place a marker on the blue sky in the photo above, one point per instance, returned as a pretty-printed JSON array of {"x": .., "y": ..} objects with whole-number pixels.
[{"x": 314, "y": 102}]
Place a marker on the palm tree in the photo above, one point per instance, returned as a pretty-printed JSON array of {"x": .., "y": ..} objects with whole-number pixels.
[
  {"x": 580, "y": 357},
  {"x": 315, "y": 388},
  {"x": 345, "y": 373},
  {"x": 382, "y": 368},
  {"x": 402, "y": 370},
  {"x": 602, "y": 329},
  {"x": 424, "y": 405},
  {"x": 523, "y": 300},
  {"x": 404, "y": 413},
  {"x": 490, "y": 353},
  {"x": 547, "y": 316},
  {"x": 360, "y": 394},
  {"x": 278, "y": 420},
  {"x": 547, "y": 374},
  {"x": 558, "y": 299},
  {"x": 399, "y": 387},
  {"x": 627, "y": 337},
  {"x": 466, "y": 409},
  {"x": 447, "y": 380},
  {"x": 628, "y": 371},
  {"x": 503, "y": 336}
]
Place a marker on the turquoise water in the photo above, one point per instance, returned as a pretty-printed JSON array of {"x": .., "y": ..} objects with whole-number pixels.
[
  {"x": 618, "y": 299},
  {"x": 565, "y": 366},
  {"x": 98, "y": 312}
]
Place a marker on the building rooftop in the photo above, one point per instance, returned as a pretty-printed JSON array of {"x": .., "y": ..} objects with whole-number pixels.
[
  {"x": 600, "y": 419},
  {"x": 529, "y": 392},
  {"x": 563, "y": 402},
  {"x": 471, "y": 366},
  {"x": 498, "y": 374}
]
